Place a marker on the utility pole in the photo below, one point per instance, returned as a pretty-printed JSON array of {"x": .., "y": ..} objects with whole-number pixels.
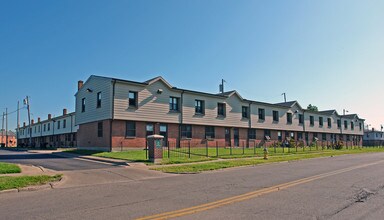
[
  {"x": 6, "y": 127},
  {"x": 2, "y": 129},
  {"x": 26, "y": 101},
  {"x": 18, "y": 123}
]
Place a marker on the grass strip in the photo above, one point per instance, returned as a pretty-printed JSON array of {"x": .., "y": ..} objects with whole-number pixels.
[
  {"x": 196, "y": 168},
  {"x": 15, "y": 182},
  {"x": 9, "y": 168}
]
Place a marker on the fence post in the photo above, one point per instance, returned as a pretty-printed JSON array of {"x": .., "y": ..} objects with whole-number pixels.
[
  {"x": 283, "y": 148},
  {"x": 146, "y": 149},
  {"x": 189, "y": 149},
  {"x": 206, "y": 149},
  {"x": 168, "y": 149},
  {"x": 274, "y": 147},
  {"x": 243, "y": 147},
  {"x": 217, "y": 149},
  {"x": 254, "y": 148},
  {"x": 230, "y": 149}
]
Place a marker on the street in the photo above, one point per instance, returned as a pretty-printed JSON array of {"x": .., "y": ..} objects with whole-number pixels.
[{"x": 341, "y": 187}]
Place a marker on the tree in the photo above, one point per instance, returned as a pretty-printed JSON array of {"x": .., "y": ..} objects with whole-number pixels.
[{"x": 312, "y": 108}]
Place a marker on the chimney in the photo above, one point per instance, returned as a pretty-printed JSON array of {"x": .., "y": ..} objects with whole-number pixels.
[
  {"x": 49, "y": 116},
  {"x": 79, "y": 84},
  {"x": 64, "y": 111},
  {"x": 32, "y": 122},
  {"x": 38, "y": 120},
  {"x": 24, "y": 124}
]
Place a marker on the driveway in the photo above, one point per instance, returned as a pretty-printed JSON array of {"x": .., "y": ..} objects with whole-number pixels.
[{"x": 52, "y": 161}]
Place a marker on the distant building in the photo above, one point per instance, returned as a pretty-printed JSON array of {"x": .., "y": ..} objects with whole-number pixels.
[
  {"x": 373, "y": 138},
  {"x": 12, "y": 142},
  {"x": 58, "y": 131}
]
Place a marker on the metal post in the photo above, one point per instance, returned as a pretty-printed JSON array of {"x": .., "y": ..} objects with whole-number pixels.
[
  {"x": 189, "y": 149},
  {"x": 217, "y": 149},
  {"x": 168, "y": 150},
  {"x": 243, "y": 147},
  {"x": 206, "y": 149}
]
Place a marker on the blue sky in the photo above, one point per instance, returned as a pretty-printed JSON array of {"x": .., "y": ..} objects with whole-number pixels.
[{"x": 327, "y": 53}]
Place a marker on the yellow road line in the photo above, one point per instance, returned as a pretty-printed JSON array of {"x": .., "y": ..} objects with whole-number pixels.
[{"x": 250, "y": 195}]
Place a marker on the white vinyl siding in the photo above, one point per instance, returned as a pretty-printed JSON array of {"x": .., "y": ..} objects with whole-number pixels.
[
  {"x": 152, "y": 106},
  {"x": 92, "y": 113}
]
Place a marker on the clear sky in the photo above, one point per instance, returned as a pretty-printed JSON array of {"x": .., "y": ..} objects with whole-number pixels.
[{"x": 322, "y": 52}]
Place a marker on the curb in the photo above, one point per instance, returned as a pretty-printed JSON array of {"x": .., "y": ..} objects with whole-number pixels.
[{"x": 46, "y": 186}]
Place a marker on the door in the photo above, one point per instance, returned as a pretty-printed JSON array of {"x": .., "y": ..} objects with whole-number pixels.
[
  {"x": 227, "y": 137},
  {"x": 236, "y": 137},
  {"x": 164, "y": 132}
]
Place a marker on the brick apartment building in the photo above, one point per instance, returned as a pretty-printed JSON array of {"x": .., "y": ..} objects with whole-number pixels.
[
  {"x": 115, "y": 114},
  {"x": 373, "y": 138},
  {"x": 59, "y": 131},
  {"x": 9, "y": 136}
]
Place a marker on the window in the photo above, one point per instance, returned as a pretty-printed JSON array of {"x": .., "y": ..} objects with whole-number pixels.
[
  {"x": 338, "y": 123},
  {"x": 252, "y": 133},
  {"x": 321, "y": 121},
  {"x": 132, "y": 99},
  {"x": 209, "y": 132},
  {"x": 149, "y": 129},
  {"x": 345, "y": 125},
  {"x": 220, "y": 109},
  {"x": 267, "y": 134},
  {"x": 49, "y": 127},
  {"x": 38, "y": 129},
  {"x": 275, "y": 115},
  {"x": 352, "y": 126},
  {"x": 245, "y": 111},
  {"x": 186, "y": 131},
  {"x": 130, "y": 129},
  {"x": 58, "y": 124},
  {"x": 261, "y": 114},
  {"x": 64, "y": 123},
  {"x": 299, "y": 136},
  {"x": 83, "y": 105},
  {"x": 98, "y": 100},
  {"x": 289, "y": 118},
  {"x": 199, "y": 106},
  {"x": 360, "y": 126},
  {"x": 45, "y": 127},
  {"x": 100, "y": 129},
  {"x": 324, "y": 137},
  {"x": 329, "y": 122},
  {"x": 301, "y": 118},
  {"x": 35, "y": 129},
  {"x": 173, "y": 104},
  {"x": 311, "y": 120}
]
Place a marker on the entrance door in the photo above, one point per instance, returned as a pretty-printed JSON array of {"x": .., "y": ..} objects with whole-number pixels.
[
  {"x": 227, "y": 137},
  {"x": 164, "y": 132},
  {"x": 236, "y": 137}
]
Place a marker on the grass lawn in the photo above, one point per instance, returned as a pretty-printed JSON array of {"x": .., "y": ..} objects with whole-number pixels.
[
  {"x": 9, "y": 168},
  {"x": 185, "y": 155},
  {"x": 15, "y": 182},
  {"x": 193, "y": 168}
]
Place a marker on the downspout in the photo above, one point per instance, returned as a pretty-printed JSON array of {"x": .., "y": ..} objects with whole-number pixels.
[
  {"x": 249, "y": 121},
  {"x": 113, "y": 114},
  {"x": 181, "y": 116}
]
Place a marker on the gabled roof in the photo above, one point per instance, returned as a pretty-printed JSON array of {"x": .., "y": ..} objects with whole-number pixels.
[
  {"x": 289, "y": 104},
  {"x": 329, "y": 112},
  {"x": 231, "y": 93},
  {"x": 158, "y": 78}
]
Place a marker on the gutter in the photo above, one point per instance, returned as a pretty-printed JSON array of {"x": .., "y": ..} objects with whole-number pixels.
[{"x": 112, "y": 113}]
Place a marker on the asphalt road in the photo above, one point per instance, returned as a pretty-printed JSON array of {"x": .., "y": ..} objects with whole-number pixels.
[
  {"x": 342, "y": 187},
  {"x": 49, "y": 160}
]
